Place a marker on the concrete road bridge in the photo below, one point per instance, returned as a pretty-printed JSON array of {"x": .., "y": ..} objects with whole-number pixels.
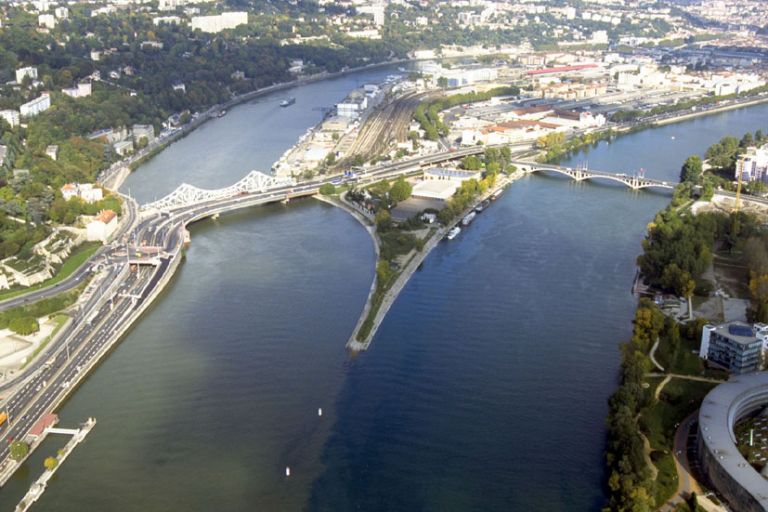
[
  {"x": 259, "y": 188},
  {"x": 635, "y": 182}
]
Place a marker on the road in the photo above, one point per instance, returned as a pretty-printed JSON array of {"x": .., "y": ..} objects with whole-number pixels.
[{"x": 73, "y": 280}]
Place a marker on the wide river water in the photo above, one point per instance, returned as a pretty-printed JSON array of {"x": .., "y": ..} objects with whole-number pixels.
[{"x": 484, "y": 389}]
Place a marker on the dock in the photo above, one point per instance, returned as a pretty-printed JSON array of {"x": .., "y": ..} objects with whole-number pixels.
[{"x": 37, "y": 488}]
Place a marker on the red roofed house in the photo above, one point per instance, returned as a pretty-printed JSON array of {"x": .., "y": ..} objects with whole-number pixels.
[
  {"x": 102, "y": 226},
  {"x": 69, "y": 191}
]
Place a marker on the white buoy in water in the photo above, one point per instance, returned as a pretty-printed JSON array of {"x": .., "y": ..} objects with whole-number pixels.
[
  {"x": 319, "y": 411},
  {"x": 287, "y": 471}
]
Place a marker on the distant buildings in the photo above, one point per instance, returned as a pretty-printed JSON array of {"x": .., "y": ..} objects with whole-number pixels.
[
  {"x": 168, "y": 20},
  {"x": 52, "y": 152},
  {"x": 28, "y": 71},
  {"x": 353, "y": 106},
  {"x": 753, "y": 164},
  {"x": 441, "y": 183},
  {"x": 223, "y": 21},
  {"x": 123, "y": 147},
  {"x": 12, "y": 117},
  {"x": 101, "y": 227},
  {"x": 85, "y": 191},
  {"x": 34, "y": 107},
  {"x": 735, "y": 346},
  {"x": 47, "y": 21},
  {"x": 81, "y": 90},
  {"x": 143, "y": 131},
  {"x": 169, "y": 5}
]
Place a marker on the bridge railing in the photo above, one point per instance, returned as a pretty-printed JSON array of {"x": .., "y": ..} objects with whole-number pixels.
[{"x": 189, "y": 195}]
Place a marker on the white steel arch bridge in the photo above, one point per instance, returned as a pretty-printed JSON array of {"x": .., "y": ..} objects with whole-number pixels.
[{"x": 189, "y": 195}]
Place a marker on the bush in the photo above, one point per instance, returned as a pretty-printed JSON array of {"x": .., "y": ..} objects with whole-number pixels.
[{"x": 327, "y": 189}]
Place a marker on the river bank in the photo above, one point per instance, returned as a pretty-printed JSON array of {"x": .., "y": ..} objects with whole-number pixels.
[
  {"x": 355, "y": 343},
  {"x": 715, "y": 110},
  {"x": 115, "y": 175},
  {"x": 580, "y": 142}
]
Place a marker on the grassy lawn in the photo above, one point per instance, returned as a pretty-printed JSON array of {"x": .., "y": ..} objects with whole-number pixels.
[
  {"x": 677, "y": 400},
  {"x": 666, "y": 479},
  {"x": 79, "y": 256},
  {"x": 60, "y": 320},
  {"x": 685, "y": 361},
  {"x": 43, "y": 307}
]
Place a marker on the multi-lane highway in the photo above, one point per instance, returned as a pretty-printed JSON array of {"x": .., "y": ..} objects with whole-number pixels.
[{"x": 130, "y": 214}]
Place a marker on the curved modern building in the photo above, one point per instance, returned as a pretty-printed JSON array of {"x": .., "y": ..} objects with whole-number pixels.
[{"x": 742, "y": 487}]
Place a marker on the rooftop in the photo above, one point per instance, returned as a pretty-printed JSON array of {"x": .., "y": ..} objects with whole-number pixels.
[
  {"x": 451, "y": 173},
  {"x": 105, "y": 216},
  {"x": 738, "y": 332},
  {"x": 719, "y": 411}
]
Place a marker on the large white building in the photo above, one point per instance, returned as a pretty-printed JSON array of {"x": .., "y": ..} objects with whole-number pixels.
[
  {"x": 100, "y": 228},
  {"x": 81, "y": 90},
  {"x": 34, "y": 107},
  {"x": 85, "y": 191},
  {"x": 753, "y": 164},
  {"x": 12, "y": 117},
  {"x": 46, "y": 20},
  {"x": 28, "y": 71},
  {"x": 376, "y": 10},
  {"x": 223, "y": 21}
]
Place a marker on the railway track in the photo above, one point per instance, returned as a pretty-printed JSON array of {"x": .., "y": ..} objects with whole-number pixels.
[{"x": 387, "y": 125}]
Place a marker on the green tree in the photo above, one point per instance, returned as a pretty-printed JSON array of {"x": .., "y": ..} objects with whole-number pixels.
[
  {"x": 19, "y": 450},
  {"x": 327, "y": 189},
  {"x": 24, "y": 325},
  {"x": 50, "y": 463},
  {"x": 471, "y": 163},
  {"x": 401, "y": 190},
  {"x": 383, "y": 220},
  {"x": 383, "y": 273},
  {"x": 691, "y": 170}
]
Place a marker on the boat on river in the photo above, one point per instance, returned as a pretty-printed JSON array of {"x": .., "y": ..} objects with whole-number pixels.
[
  {"x": 287, "y": 102},
  {"x": 468, "y": 218},
  {"x": 453, "y": 233}
]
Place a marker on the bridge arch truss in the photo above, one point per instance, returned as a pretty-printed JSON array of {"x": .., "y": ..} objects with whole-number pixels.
[{"x": 189, "y": 195}]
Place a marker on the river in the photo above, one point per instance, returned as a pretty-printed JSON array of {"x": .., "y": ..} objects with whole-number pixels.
[{"x": 484, "y": 389}]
